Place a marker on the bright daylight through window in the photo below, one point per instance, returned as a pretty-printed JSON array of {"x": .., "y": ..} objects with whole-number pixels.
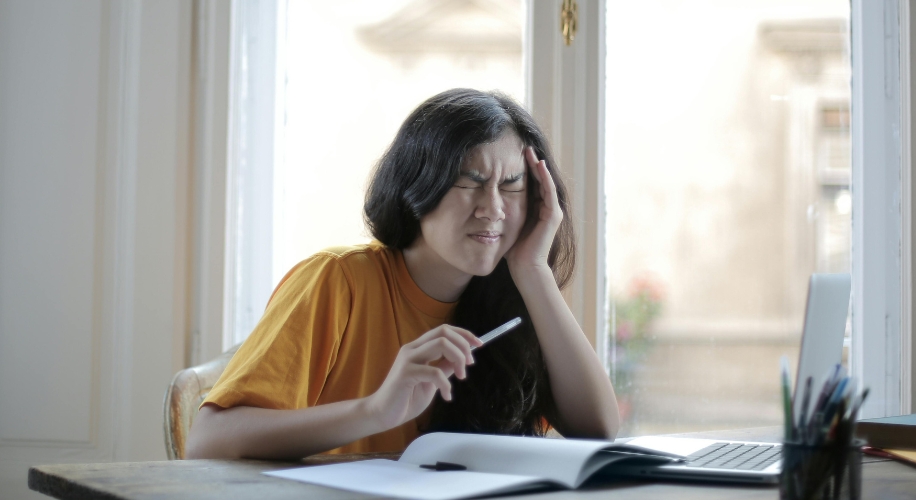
[
  {"x": 347, "y": 74},
  {"x": 727, "y": 184},
  {"x": 378, "y": 61}
]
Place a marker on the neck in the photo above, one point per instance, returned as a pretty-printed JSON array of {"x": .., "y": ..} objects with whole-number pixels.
[{"x": 436, "y": 277}]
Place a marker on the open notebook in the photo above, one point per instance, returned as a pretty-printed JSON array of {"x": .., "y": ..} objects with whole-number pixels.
[{"x": 494, "y": 465}]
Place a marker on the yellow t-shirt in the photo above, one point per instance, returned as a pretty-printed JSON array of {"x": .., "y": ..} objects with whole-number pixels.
[{"x": 331, "y": 332}]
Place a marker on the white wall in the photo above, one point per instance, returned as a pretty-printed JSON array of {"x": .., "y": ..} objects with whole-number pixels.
[{"x": 95, "y": 184}]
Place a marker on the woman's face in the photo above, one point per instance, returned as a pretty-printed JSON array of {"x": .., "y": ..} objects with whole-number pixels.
[{"x": 481, "y": 216}]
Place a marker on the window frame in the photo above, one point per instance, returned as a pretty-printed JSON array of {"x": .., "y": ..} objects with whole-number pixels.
[
  {"x": 255, "y": 125},
  {"x": 908, "y": 222},
  {"x": 881, "y": 355},
  {"x": 565, "y": 93}
]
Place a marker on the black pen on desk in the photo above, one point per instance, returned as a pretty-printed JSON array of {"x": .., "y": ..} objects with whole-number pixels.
[{"x": 443, "y": 466}]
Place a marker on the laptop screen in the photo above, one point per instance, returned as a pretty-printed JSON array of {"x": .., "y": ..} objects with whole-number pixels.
[{"x": 822, "y": 337}]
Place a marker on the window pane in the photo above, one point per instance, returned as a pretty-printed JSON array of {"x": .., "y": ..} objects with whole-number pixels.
[
  {"x": 355, "y": 69},
  {"x": 728, "y": 167}
]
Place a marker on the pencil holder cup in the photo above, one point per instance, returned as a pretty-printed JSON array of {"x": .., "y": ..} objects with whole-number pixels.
[{"x": 821, "y": 472}]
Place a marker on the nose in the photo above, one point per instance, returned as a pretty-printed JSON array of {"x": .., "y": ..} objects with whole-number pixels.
[{"x": 490, "y": 205}]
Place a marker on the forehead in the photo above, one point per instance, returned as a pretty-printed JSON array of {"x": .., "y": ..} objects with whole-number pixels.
[{"x": 505, "y": 156}]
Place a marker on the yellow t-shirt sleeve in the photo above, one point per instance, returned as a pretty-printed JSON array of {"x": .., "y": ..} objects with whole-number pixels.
[{"x": 285, "y": 362}]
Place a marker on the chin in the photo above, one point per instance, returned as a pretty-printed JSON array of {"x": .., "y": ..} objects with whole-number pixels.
[{"x": 484, "y": 268}]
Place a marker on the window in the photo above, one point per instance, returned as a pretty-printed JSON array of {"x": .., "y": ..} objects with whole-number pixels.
[
  {"x": 782, "y": 75},
  {"x": 325, "y": 87},
  {"x": 727, "y": 184}
]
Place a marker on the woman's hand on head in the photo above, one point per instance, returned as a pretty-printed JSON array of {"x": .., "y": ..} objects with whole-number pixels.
[
  {"x": 421, "y": 368},
  {"x": 533, "y": 244}
]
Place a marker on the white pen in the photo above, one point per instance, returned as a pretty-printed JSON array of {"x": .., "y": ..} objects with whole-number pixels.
[{"x": 498, "y": 331}]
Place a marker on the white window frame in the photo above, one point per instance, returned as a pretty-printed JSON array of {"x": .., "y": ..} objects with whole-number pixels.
[
  {"x": 881, "y": 355},
  {"x": 256, "y": 83},
  {"x": 907, "y": 179},
  {"x": 565, "y": 93}
]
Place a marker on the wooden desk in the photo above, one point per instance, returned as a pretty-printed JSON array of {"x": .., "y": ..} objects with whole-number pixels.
[{"x": 242, "y": 479}]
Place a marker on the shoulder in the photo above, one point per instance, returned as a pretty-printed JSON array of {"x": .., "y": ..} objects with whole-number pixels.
[
  {"x": 342, "y": 264},
  {"x": 374, "y": 250},
  {"x": 357, "y": 259}
]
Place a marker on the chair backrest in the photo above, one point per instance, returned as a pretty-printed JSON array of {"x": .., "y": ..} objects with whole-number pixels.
[{"x": 187, "y": 391}]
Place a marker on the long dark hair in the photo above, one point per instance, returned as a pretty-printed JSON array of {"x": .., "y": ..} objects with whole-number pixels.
[{"x": 507, "y": 390}]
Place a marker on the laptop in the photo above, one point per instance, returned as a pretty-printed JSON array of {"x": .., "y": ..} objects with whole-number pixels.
[{"x": 750, "y": 462}]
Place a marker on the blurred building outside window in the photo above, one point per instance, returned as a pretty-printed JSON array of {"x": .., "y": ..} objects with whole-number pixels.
[{"x": 728, "y": 176}]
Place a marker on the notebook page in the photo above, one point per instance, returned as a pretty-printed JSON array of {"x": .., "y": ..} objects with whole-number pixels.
[
  {"x": 559, "y": 460},
  {"x": 388, "y": 478}
]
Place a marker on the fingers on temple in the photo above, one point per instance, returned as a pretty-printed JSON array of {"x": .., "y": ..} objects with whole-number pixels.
[
  {"x": 547, "y": 187},
  {"x": 531, "y": 157}
]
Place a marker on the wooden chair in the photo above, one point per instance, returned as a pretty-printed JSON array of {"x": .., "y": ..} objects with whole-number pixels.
[{"x": 187, "y": 391}]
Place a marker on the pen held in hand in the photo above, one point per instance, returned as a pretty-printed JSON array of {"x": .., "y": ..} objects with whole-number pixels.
[{"x": 490, "y": 336}]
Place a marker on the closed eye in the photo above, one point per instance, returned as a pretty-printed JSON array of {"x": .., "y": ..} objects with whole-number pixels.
[
  {"x": 473, "y": 180},
  {"x": 470, "y": 180},
  {"x": 513, "y": 184}
]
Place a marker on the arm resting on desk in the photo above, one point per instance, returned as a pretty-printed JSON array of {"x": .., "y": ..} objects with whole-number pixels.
[
  {"x": 421, "y": 369},
  {"x": 248, "y": 432}
]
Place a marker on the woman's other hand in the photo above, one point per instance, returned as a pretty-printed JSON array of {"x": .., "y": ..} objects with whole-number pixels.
[
  {"x": 421, "y": 368},
  {"x": 533, "y": 245}
]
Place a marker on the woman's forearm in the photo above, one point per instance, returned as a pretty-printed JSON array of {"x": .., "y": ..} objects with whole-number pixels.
[
  {"x": 248, "y": 432},
  {"x": 581, "y": 388},
  {"x": 421, "y": 368}
]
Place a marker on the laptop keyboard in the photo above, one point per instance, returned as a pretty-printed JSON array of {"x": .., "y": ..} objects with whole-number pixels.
[{"x": 735, "y": 456}]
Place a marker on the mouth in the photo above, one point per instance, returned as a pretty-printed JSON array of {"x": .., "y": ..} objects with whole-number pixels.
[{"x": 486, "y": 237}]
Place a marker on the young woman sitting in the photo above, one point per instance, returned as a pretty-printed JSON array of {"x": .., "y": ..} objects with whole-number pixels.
[{"x": 473, "y": 229}]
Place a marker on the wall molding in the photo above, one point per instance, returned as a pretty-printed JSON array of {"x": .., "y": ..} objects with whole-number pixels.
[
  {"x": 121, "y": 161},
  {"x": 210, "y": 97}
]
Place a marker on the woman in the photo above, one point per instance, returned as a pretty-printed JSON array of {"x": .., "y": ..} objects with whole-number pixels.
[{"x": 356, "y": 342}]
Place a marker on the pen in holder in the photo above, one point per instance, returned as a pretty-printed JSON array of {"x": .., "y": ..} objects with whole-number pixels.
[
  {"x": 821, "y": 472},
  {"x": 820, "y": 458}
]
